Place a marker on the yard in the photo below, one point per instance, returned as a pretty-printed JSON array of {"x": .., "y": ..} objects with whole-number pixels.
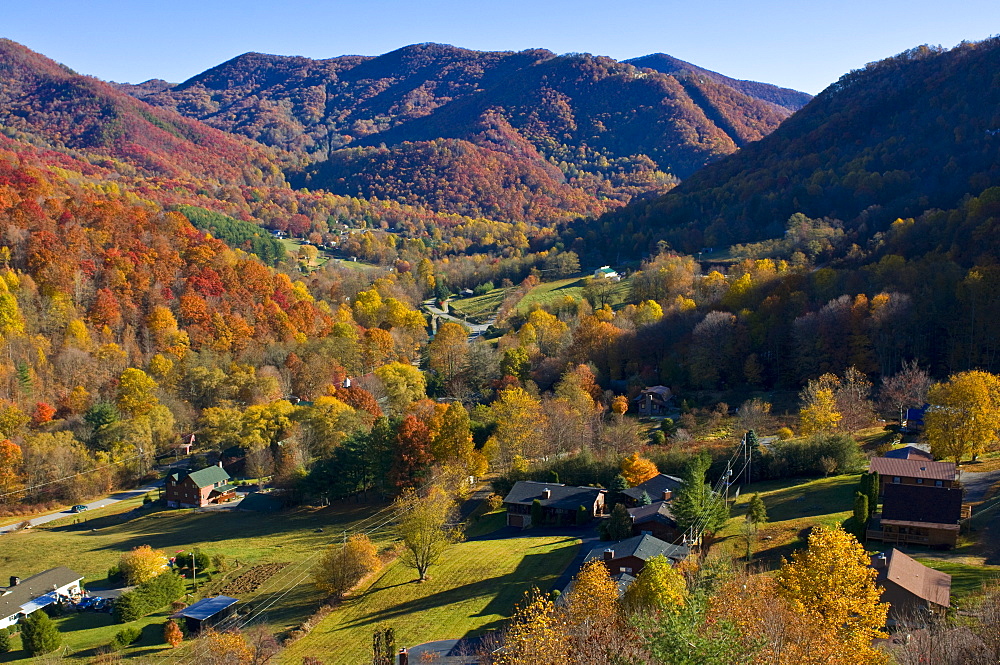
[
  {"x": 246, "y": 538},
  {"x": 544, "y": 293},
  {"x": 472, "y": 590}
]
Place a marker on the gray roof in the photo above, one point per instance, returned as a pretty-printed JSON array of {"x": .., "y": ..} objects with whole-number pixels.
[
  {"x": 658, "y": 511},
  {"x": 37, "y": 585},
  {"x": 206, "y": 608},
  {"x": 643, "y": 547},
  {"x": 203, "y": 477},
  {"x": 654, "y": 487},
  {"x": 564, "y": 497}
]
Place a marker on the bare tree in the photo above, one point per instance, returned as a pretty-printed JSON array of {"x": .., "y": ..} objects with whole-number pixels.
[
  {"x": 906, "y": 388},
  {"x": 260, "y": 464}
]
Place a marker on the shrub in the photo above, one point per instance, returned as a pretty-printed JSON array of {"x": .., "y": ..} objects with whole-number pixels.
[
  {"x": 785, "y": 433},
  {"x": 582, "y": 515},
  {"x": 39, "y": 634},
  {"x": 172, "y": 634},
  {"x": 125, "y": 637},
  {"x": 4, "y": 640},
  {"x": 659, "y": 438},
  {"x": 494, "y": 502},
  {"x": 148, "y": 597}
]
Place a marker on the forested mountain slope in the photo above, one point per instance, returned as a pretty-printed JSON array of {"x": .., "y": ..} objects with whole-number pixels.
[
  {"x": 516, "y": 136},
  {"x": 905, "y": 135}
]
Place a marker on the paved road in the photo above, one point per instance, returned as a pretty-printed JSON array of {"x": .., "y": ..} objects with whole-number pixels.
[{"x": 100, "y": 503}]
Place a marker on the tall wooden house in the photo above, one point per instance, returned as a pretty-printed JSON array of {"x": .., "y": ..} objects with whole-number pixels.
[{"x": 200, "y": 488}]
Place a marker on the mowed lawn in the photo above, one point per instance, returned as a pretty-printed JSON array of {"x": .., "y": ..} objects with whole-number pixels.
[
  {"x": 473, "y": 589},
  {"x": 793, "y": 508},
  {"x": 91, "y": 547}
]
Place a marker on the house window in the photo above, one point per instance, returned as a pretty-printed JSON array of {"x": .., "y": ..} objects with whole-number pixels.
[
  {"x": 625, "y": 569},
  {"x": 920, "y": 481},
  {"x": 896, "y": 480},
  {"x": 938, "y": 483}
]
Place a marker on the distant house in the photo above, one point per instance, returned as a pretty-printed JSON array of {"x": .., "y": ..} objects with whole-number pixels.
[
  {"x": 23, "y": 597},
  {"x": 909, "y": 452},
  {"x": 913, "y": 471},
  {"x": 921, "y": 515},
  {"x": 653, "y": 401},
  {"x": 911, "y": 588},
  {"x": 660, "y": 487},
  {"x": 560, "y": 503},
  {"x": 183, "y": 447},
  {"x": 607, "y": 272},
  {"x": 630, "y": 556},
  {"x": 914, "y": 419},
  {"x": 205, "y": 613},
  {"x": 657, "y": 520},
  {"x": 199, "y": 488}
]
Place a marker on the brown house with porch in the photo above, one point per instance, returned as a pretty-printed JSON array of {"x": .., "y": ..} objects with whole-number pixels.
[
  {"x": 560, "y": 503},
  {"x": 913, "y": 590},
  {"x": 921, "y": 515},
  {"x": 199, "y": 488}
]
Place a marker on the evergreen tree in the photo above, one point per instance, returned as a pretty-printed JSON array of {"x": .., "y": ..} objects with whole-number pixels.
[
  {"x": 39, "y": 634},
  {"x": 618, "y": 526},
  {"x": 860, "y": 513},
  {"x": 696, "y": 505},
  {"x": 537, "y": 513}
]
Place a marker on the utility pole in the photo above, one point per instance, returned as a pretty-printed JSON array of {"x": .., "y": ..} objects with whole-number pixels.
[{"x": 194, "y": 573}]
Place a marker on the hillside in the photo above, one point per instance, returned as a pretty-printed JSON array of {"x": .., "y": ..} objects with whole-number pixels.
[
  {"x": 49, "y": 104},
  {"x": 575, "y": 134},
  {"x": 792, "y": 100},
  {"x": 905, "y": 135}
]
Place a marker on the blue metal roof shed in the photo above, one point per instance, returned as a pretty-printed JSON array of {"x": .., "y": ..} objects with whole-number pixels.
[{"x": 206, "y": 612}]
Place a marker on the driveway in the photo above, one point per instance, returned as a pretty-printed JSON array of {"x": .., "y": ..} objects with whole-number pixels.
[
  {"x": 475, "y": 329},
  {"x": 977, "y": 484},
  {"x": 100, "y": 503}
]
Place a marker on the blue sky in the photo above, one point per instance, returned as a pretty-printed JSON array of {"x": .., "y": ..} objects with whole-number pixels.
[{"x": 799, "y": 44}]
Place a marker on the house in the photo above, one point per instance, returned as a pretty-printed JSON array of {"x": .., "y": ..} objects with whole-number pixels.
[
  {"x": 660, "y": 487},
  {"x": 23, "y": 597},
  {"x": 655, "y": 520},
  {"x": 913, "y": 471},
  {"x": 914, "y": 419},
  {"x": 911, "y": 588},
  {"x": 923, "y": 515},
  {"x": 560, "y": 503},
  {"x": 653, "y": 401},
  {"x": 184, "y": 445},
  {"x": 607, "y": 273},
  {"x": 199, "y": 488},
  {"x": 206, "y": 612},
  {"x": 909, "y": 452},
  {"x": 630, "y": 556}
]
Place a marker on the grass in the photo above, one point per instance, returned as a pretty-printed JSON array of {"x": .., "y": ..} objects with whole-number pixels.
[
  {"x": 472, "y": 590},
  {"x": 967, "y": 579},
  {"x": 486, "y": 304},
  {"x": 793, "y": 508},
  {"x": 91, "y": 547}
]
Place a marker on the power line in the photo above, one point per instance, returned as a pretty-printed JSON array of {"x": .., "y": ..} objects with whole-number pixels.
[{"x": 65, "y": 478}]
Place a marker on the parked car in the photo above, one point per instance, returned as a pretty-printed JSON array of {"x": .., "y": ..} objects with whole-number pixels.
[{"x": 79, "y": 508}]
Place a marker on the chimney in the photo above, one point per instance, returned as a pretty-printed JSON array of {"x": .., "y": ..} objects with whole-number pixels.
[
  {"x": 546, "y": 494},
  {"x": 14, "y": 580},
  {"x": 220, "y": 464},
  {"x": 404, "y": 657},
  {"x": 880, "y": 560},
  {"x": 609, "y": 555},
  {"x": 667, "y": 495}
]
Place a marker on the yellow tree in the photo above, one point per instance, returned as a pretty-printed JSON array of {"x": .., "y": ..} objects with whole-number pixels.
[
  {"x": 659, "y": 587},
  {"x": 832, "y": 583},
  {"x": 11, "y": 476},
  {"x": 426, "y": 527},
  {"x": 344, "y": 565},
  {"x": 638, "y": 469},
  {"x": 537, "y": 634},
  {"x": 403, "y": 384},
  {"x": 520, "y": 426},
  {"x": 142, "y": 564},
  {"x": 820, "y": 413},
  {"x": 594, "y": 596},
  {"x": 447, "y": 351},
  {"x": 136, "y": 392},
  {"x": 962, "y": 418}
]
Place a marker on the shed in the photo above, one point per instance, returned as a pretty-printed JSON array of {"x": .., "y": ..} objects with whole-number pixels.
[{"x": 206, "y": 612}]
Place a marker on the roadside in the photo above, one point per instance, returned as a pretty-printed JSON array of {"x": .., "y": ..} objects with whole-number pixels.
[{"x": 93, "y": 505}]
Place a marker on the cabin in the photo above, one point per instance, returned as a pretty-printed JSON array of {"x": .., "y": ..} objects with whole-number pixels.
[
  {"x": 205, "y": 613},
  {"x": 653, "y": 401},
  {"x": 919, "y": 515},
  {"x": 660, "y": 487},
  {"x": 657, "y": 520},
  {"x": 23, "y": 597},
  {"x": 560, "y": 503},
  {"x": 630, "y": 556},
  {"x": 197, "y": 489},
  {"x": 912, "y": 590},
  {"x": 913, "y": 471}
]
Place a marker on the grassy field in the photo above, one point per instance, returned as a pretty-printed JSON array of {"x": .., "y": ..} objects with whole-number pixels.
[
  {"x": 483, "y": 305},
  {"x": 793, "y": 508},
  {"x": 473, "y": 589},
  {"x": 91, "y": 547},
  {"x": 544, "y": 293}
]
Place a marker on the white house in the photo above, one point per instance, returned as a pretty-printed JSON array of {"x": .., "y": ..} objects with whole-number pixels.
[
  {"x": 608, "y": 273},
  {"x": 23, "y": 597}
]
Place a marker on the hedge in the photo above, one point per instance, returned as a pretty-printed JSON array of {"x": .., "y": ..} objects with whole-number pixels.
[{"x": 148, "y": 597}]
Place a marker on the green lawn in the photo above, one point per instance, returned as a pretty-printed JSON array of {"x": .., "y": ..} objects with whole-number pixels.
[
  {"x": 793, "y": 507},
  {"x": 91, "y": 547},
  {"x": 473, "y": 589},
  {"x": 483, "y": 305},
  {"x": 967, "y": 579}
]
